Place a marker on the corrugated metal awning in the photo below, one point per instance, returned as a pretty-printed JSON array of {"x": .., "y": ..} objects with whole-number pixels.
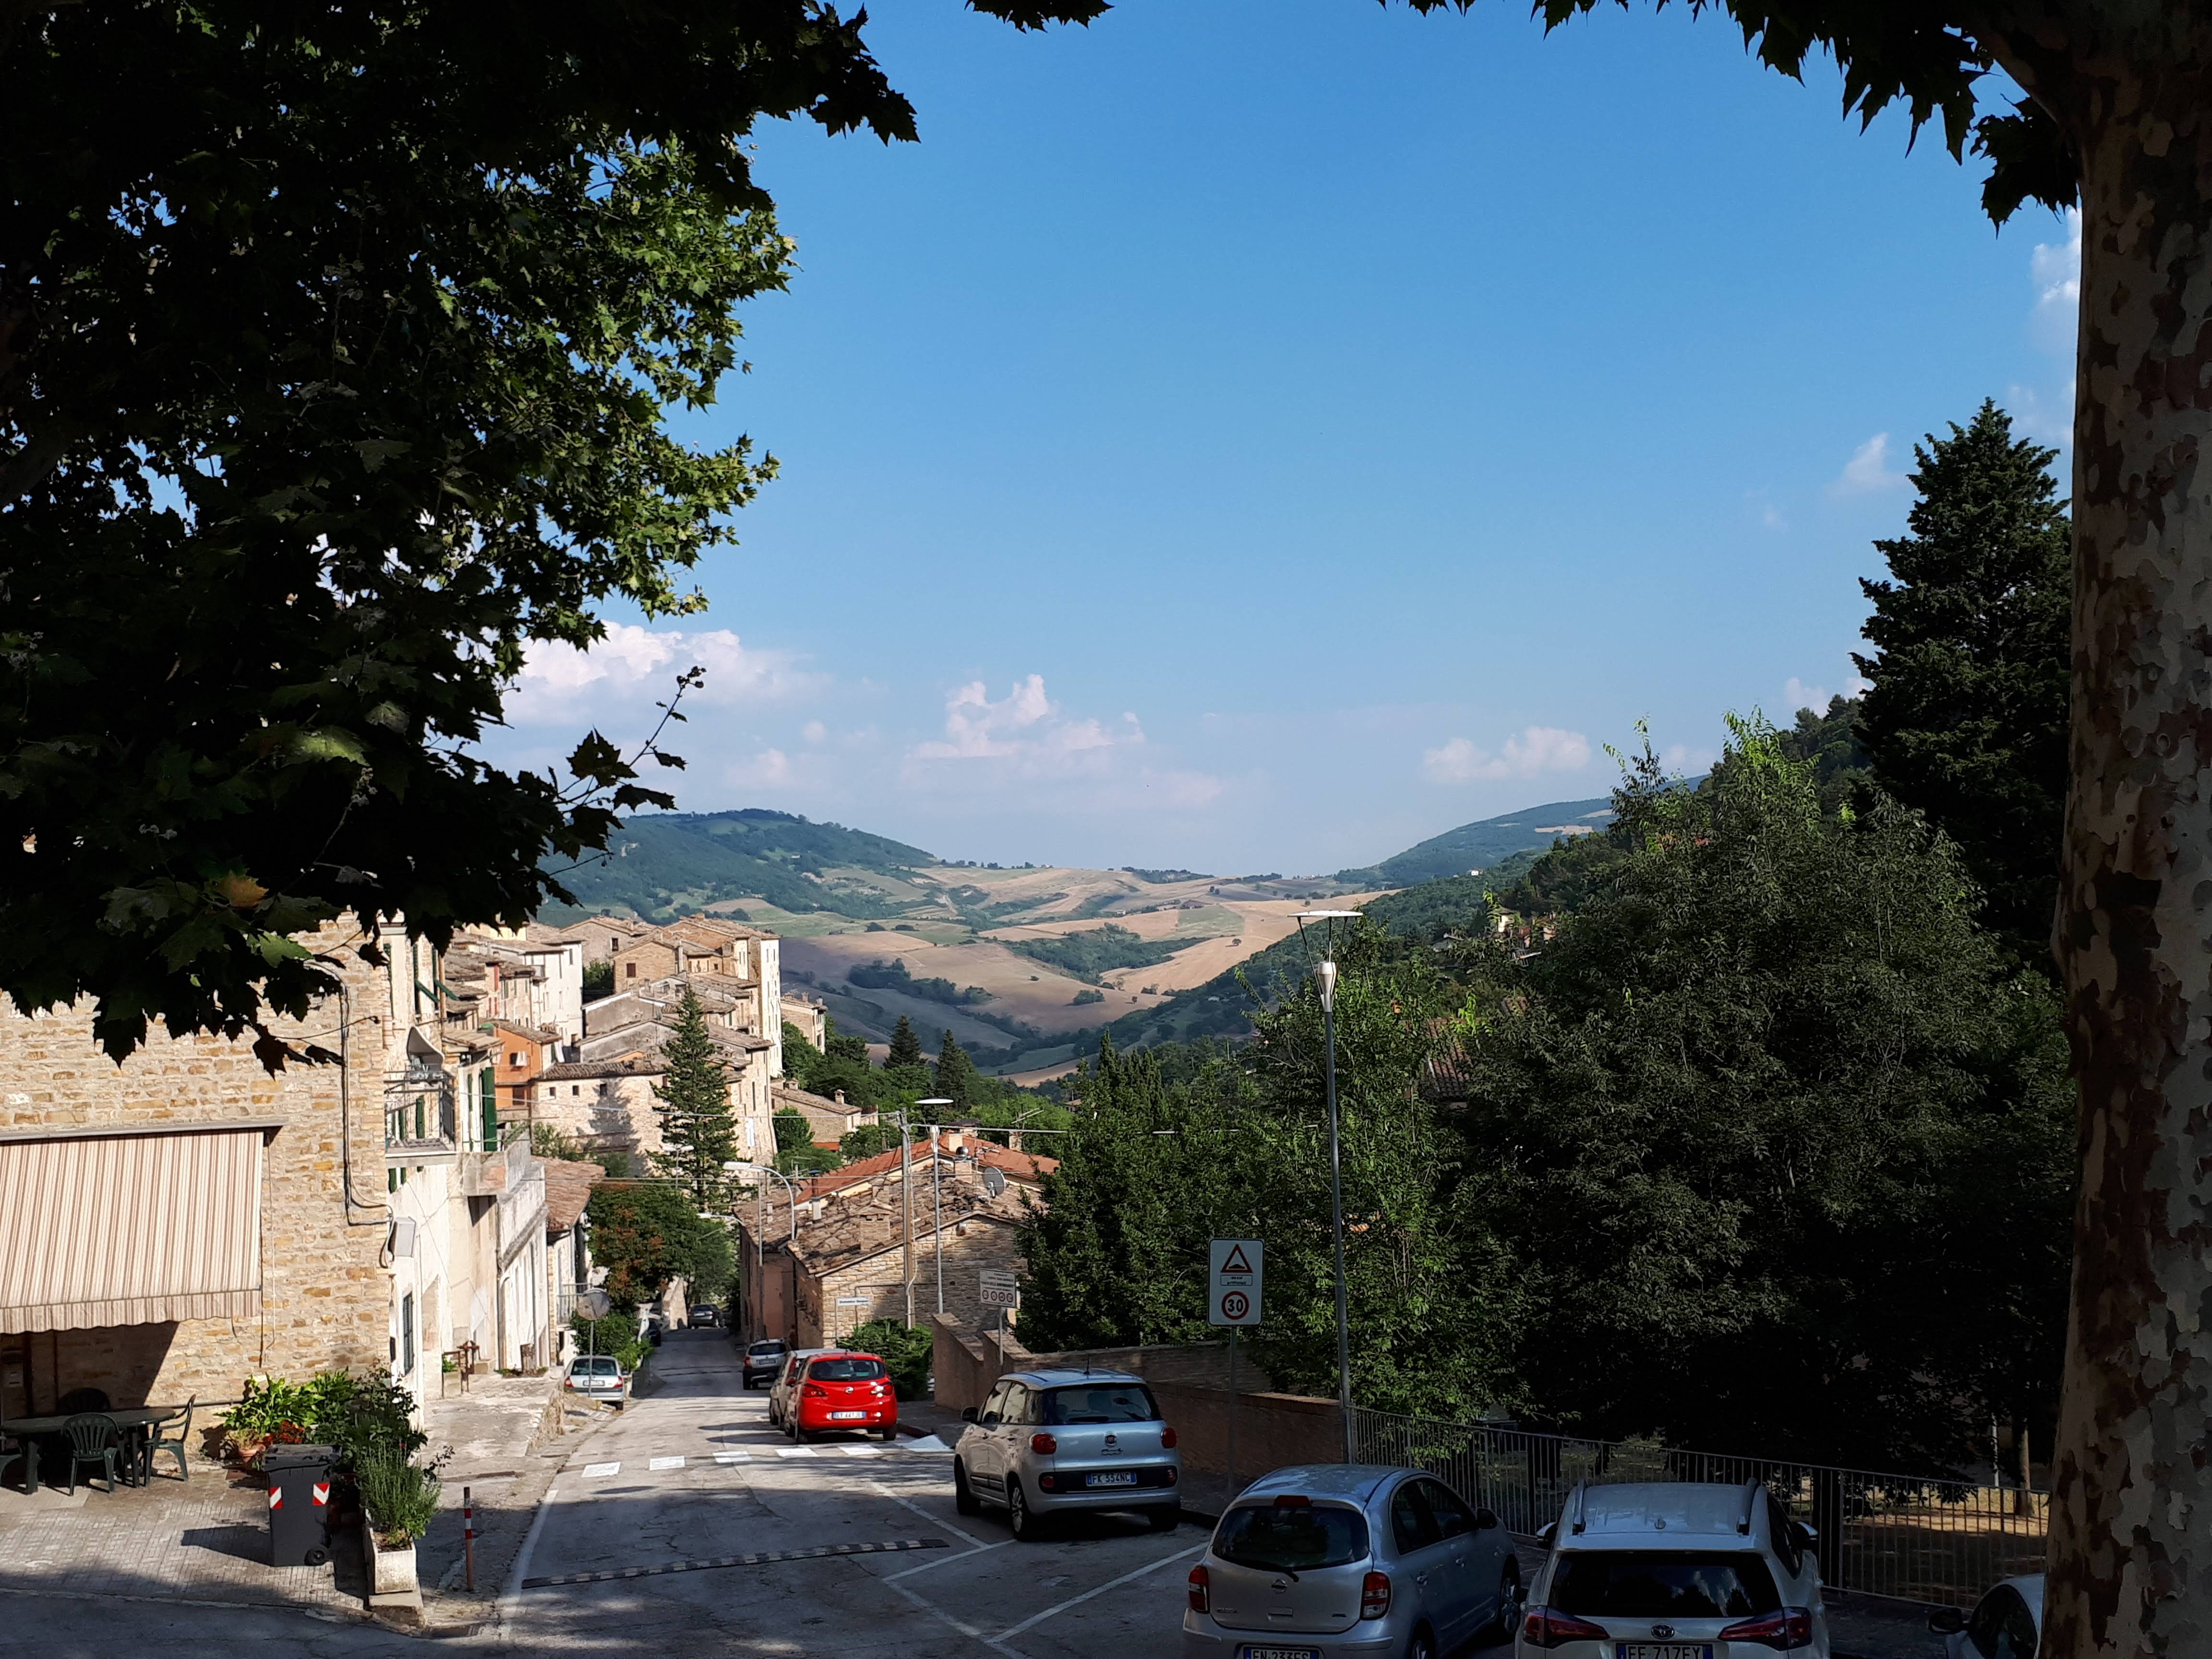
[{"x": 130, "y": 1229}]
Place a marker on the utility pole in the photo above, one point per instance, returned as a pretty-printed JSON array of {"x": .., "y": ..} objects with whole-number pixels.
[
  {"x": 906, "y": 1210},
  {"x": 937, "y": 1193}
]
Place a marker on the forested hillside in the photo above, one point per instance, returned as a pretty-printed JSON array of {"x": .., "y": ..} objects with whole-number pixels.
[
  {"x": 1480, "y": 845},
  {"x": 666, "y": 864}
]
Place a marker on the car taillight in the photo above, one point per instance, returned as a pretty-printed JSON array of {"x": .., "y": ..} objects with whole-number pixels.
[
  {"x": 1201, "y": 1589},
  {"x": 1791, "y": 1627},
  {"x": 814, "y": 1391},
  {"x": 1043, "y": 1444},
  {"x": 1547, "y": 1627},
  {"x": 1375, "y": 1595},
  {"x": 1167, "y": 1439}
]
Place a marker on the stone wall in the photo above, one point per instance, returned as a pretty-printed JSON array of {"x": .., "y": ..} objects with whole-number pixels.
[
  {"x": 326, "y": 1302},
  {"x": 975, "y": 1244}
]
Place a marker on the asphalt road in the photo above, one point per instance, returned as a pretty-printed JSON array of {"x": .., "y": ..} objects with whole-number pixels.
[{"x": 855, "y": 1548}]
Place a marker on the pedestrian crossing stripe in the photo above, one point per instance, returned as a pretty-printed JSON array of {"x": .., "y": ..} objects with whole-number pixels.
[
  {"x": 665, "y": 1463},
  {"x": 733, "y": 1457},
  {"x": 593, "y": 1471},
  {"x": 761, "y": 1559}
]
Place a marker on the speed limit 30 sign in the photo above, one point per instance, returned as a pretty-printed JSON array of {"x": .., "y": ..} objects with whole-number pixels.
[{"x": 1233, "y": 1282}]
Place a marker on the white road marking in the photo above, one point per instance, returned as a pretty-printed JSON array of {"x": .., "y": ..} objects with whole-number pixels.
[
  {"x": 942, "y": 1559},
  {"x": 965, "y": 1537},
  {"x": 594, "y": 1471},
  {"x": 1053, "y": 1612},
  {"x": 858, "y": 1451},
  {"x": 665, "y": 1463},
  {"x": 968, "y": 1630},
  {"x": 733, "y": 1457},
  {"x": 926, "y": 1442},
  {"x": 511, "y": 1603},
  {"x": 796, "y": 1451}
]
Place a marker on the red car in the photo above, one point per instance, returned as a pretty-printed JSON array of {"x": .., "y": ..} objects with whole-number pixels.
[{"x": 840, "y": 1389}]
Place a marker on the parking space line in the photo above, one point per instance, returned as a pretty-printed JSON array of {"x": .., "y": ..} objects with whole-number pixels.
[
  {"x": 1116, "y": 1584},
  {"x": 965, "y": 1537},
  {"x": 947, "y": 1560},
  {"x": 966, "y": 1630}
]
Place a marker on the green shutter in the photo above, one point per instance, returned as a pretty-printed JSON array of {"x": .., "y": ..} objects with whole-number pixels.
[{"x": 490, "y": 1092}]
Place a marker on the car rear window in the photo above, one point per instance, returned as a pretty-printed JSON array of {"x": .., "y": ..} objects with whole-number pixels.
[
  {"x": 1662, "y": 1585},
  {"x": 1101, "y": 1402},
  {"x": 601, "y": 1366},
  {"x": 846, "y": 1370},
  {"x": 766, "y": 1349},
  {"x": 1272, "y": 1540}
]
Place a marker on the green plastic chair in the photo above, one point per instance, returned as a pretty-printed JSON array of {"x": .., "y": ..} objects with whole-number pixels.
[
  {"x": 93, "y": 1438},
  {"x": 158, "y": 1443}
]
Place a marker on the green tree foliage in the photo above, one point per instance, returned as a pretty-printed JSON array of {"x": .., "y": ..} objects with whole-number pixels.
[
  {"x": 866, "y": 1141},
  {"x": 893, "y": 975},
  {"x": 800, "y": 1057},
  {"x": 905, "y": 1048},
  {"x": 793, "y": 1132},
  {"x": 904, "y": 1351},
  {"x": 338, "y": 342},
  {"x": 599, "y": 981},
  {"x": 1096, "y": 951},
  {"x": 646, "y": 1233},
  {"x": 1967, "y": 719},
  {"x": 955, "y": 1073},
  {"x": 1721, "y": 1123},
  {"x": 698, "y": 1130}
]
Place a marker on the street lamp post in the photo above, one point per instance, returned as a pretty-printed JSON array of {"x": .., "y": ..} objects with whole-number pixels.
[
  {"x": 760, "y": 1226},
  {"x": 1325, "y": 981}
]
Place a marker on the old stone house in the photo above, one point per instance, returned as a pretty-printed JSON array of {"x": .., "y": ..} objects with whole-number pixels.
[
  {"x": 830, "y": 1117},
  {"x": 849, "y": 1260}
]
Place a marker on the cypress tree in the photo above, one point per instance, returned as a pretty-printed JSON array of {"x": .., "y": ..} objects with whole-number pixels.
[
  {"x": 1967, "y": 717},
  {"x": 698, "y": 1132},
  {"x": 956, "y": 1072},
  {"x": 906, "y": 1046}
]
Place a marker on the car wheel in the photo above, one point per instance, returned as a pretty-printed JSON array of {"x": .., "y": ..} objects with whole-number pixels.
[
  {"x": 1020, "y": 1520},
  {"x": 1423, "y": 1646},
  {"x": 1509, "y": 1600},
  {"x": 964, "y": 1501},
  {"x": 1165, "y": 1520},
  {"x": 888, "y": 1431}
]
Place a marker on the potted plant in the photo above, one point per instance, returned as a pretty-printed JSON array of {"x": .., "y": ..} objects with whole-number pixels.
[{"x": 400, "y": 1499}]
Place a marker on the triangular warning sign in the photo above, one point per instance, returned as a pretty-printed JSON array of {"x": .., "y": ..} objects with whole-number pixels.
[{"x": 1236, "y": 1263}]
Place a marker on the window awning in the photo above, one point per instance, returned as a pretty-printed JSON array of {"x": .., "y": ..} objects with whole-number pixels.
[{"x": 130, "y": 1229}]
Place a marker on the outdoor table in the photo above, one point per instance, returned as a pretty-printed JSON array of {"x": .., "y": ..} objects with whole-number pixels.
[{"x": 127, "y": 1419}]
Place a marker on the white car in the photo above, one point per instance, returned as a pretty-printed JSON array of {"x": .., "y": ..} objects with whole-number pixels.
[
  {"x": 1676, "y": 1571},
  {"x": 2006, "y": 1623},
  {"x": 1056, "y": 1442}
]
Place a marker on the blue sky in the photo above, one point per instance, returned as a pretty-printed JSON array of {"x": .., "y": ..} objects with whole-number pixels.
[{"x": 1258, "y": 435}]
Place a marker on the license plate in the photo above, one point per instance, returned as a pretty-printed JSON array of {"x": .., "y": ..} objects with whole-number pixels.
[
  {"x": 1662, "y": 1650},
  {"x": 845, "y": 1416},
  {"x": 1278, "y": 1653},
  {"x": 1125, "y": 1479}
]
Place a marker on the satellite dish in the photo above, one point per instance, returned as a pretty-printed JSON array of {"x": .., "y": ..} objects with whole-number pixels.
[{"x": 994, "y": 1182}]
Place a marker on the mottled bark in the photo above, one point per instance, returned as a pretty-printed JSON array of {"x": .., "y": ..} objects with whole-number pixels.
[{"x": 2131, "y": 1543}]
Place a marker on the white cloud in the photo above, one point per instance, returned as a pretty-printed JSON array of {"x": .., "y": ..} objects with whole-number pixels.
[
  {"x": 1797, "y": 695},
  {"x": 2056, "y": 270},
  {"x": 768, "y": 769},
  {"x": 633, "y": 667},
  {"x": 1024, "y": 726},
  {"x": 1868, "y": 472},
  {"x": 814, "y": 731},
  {"x": 1537, "y": 749},
  {"x": 1687, "y": 762}
]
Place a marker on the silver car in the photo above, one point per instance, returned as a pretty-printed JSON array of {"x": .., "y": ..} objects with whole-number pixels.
[
  {"x": 1055, "y": 1441},
  {"x": 598, "y": 1377},
  {"x": 1323, "y": 1559}
]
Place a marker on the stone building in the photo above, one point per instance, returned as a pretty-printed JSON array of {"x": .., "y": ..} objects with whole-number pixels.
[
  {"x": 848, "y": 1262},
  {"x": 830, "y": 1117}
]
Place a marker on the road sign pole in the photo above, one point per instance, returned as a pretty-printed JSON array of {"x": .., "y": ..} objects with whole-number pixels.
[
  {"x": 1232, "y": 1411},
  {"x": 1336, "y": 1207}
]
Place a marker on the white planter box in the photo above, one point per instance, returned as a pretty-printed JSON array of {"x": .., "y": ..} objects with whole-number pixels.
[{"x": 391, "y": 1572}]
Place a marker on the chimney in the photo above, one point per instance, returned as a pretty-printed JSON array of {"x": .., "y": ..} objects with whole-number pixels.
[
  {"x": 955, "y": 1142},
  {"x": 839, "y": 1096}
]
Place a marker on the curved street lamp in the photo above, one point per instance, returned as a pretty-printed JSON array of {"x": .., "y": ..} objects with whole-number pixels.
[{"x": 760, "y": 1226}]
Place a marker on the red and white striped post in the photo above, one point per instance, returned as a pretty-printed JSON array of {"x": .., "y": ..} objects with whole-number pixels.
[{"x": 469, "y": 1537}]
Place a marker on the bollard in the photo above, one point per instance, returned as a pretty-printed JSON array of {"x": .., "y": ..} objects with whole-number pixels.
[{"x": 469, "y": 1537}]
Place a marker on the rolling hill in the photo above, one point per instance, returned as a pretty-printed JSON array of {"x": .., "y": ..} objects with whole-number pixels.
[{"x": 1478, "y": 846}]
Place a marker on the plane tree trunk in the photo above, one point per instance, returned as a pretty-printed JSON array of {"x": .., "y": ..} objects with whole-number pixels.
[{"x": 2130, "y": 81}]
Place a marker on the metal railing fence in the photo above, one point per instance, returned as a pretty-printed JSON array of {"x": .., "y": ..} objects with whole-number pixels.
[{"x": 1921, "y": 1537}]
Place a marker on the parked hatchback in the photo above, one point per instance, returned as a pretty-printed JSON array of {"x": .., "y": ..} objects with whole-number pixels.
[
  {"x": 598, "y": 1377},
  {"x": 1678, "y": 1570},
  {"x": 823, "y": 1389},
  {"x": 1331, "y": 1558},
  {"x": 763, "y": 1360},
  {"x": 1053, "y": 1442},
  {"x": 704, "y": 1316}
]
